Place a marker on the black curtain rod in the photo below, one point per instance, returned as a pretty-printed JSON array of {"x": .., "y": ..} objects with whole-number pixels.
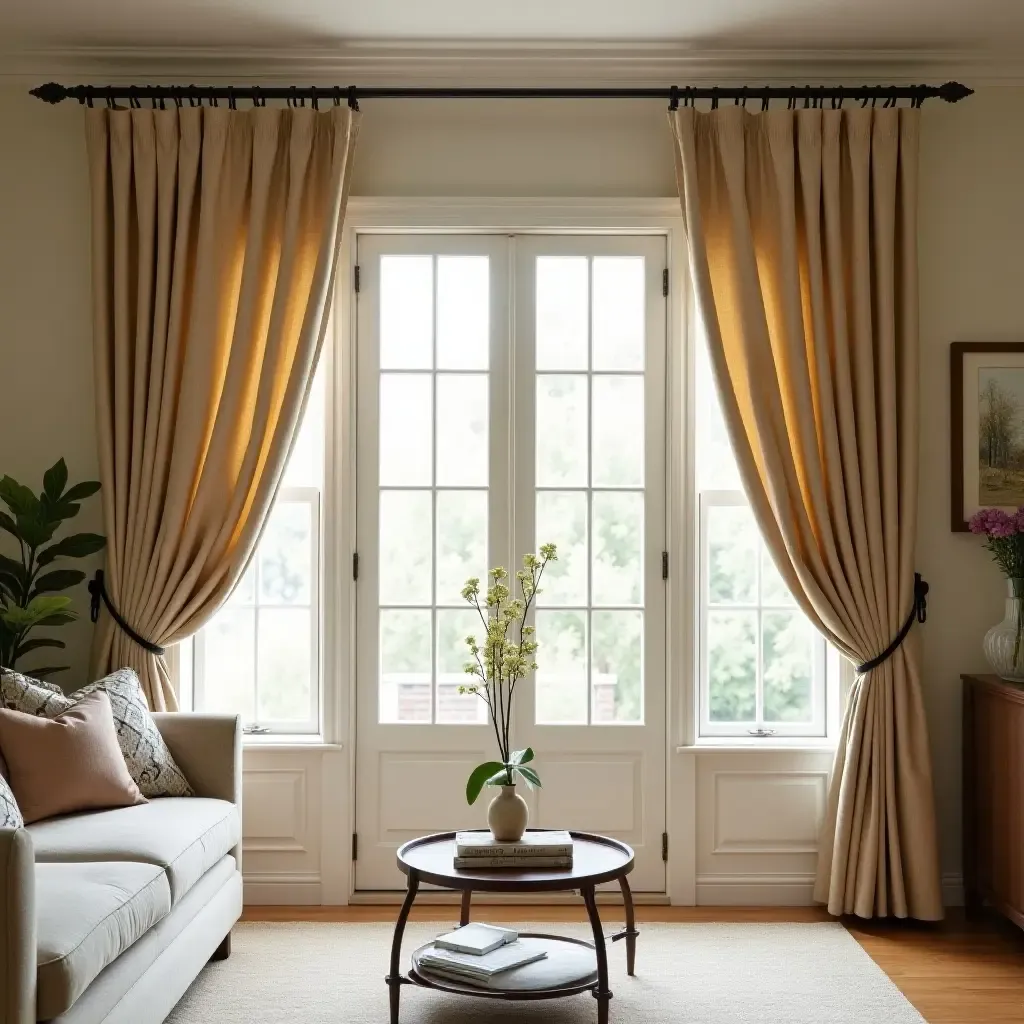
[{"x": 809, "y": 95}]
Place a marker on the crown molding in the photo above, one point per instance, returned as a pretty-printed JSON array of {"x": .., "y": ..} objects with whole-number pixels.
[{"x": 507, "y": 63}]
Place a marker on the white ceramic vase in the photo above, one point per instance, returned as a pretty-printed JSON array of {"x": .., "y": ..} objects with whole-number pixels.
[{"x": 507, "y": 815}]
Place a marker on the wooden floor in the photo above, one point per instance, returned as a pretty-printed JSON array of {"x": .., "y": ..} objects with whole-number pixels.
[{"x": 957, "y": 972}]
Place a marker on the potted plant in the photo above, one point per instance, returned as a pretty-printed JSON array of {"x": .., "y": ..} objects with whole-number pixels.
[
  {"x": 29, "y": 585},
  {"x": 505, "y": 657},
  {"x": 1004, "y": 537}
]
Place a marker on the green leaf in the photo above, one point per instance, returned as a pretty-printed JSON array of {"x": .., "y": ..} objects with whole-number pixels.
[
  {"x": 34, "y": 532},
  {"x": 33, "y": 614},
  {"x": 49, "y": 670},
  {"x": 60, "y": 619},
  {"x": 499, "y": 778},
  {"x": 12, "y": 567},
  {"x": 81, "y": 491},
  {"x": 63, "y": 510},
  {"x": 9, "y": 585},
  {"x": 18, "y": 498},
  {"x": 33, "y": 645},
  {"x": 78, "y": 545},
  {"x": 55, "y": 480},
  {"x": 59, "y": 579},
  {"x": 8, "y": 524},
  {"x": 532, "y": 778},
  {"x": 522, "y": 756},
  {"x": 478, "y": 777}
]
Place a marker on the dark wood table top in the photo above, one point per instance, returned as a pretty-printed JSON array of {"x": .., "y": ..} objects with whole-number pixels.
[{"x": 596, "y": 859}]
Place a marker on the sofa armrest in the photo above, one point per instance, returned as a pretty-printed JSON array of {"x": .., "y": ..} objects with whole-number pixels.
[
  {"x": 208, "y": 749},
  {"x": 17, "y": 928}
]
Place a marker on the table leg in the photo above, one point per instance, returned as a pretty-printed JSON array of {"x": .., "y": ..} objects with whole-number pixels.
[
  {"x": 395, "y": 980},
  {"x": 601, "y": 992},
  {"x": 467, "y": 895},
  {"x": 631, "y": 933}
]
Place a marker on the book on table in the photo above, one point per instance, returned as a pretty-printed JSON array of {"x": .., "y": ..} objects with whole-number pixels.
[
  {"x": 476, "y": 938},
  {"x": 538, "y": 843},
  {"x": 481, "y": 969},
  {"x": 527, "y": 863}
]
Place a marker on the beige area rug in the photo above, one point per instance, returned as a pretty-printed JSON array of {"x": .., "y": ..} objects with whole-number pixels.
[{"x": 686, "y": 974}]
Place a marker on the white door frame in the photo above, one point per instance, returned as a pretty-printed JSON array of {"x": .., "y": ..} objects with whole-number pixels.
[{"x": 437, "y": 215}]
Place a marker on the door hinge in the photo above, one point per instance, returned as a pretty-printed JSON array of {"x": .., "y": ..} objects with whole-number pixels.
[
  {"x": 355, "y": 565},
  {"x": 355, "y": 846},
  {"x": 664, "y": 565},
  {"x": 355, "y": 277},
  {"x": 664, "y": 846},
  {"x": 664, "y": 282}
]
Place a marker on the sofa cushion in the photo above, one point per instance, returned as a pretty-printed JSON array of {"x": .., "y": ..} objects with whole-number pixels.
[
  {"x": 87, "y": 915},
  {"x": 39, "y": 752},
  {"x": 145, "y": 752},
  {"x": 185, "y": 835}
]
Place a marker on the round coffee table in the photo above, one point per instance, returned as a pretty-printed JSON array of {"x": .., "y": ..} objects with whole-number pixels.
[{"x": 596, "y": 859}]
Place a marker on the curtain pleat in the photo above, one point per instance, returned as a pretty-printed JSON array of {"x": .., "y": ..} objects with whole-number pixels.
[{"x": 215, "y": 240}]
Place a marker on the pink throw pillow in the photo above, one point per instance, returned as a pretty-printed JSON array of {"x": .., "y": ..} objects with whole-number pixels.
[{"x": 68, "y": 763}]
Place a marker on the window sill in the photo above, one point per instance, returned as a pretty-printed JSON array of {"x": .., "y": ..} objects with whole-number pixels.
[
  {"x": 284, "y": 742},
  {"x": 776, "y": 744}
]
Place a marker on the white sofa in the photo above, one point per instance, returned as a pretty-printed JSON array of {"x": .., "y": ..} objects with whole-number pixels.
[{"x": 109, "y": 916}]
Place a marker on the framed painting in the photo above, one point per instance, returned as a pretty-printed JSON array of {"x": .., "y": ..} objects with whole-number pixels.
[{"x": 986, "y": 428}]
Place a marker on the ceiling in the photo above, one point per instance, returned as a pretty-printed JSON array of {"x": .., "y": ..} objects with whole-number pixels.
[{"x": 950, "y": 25}]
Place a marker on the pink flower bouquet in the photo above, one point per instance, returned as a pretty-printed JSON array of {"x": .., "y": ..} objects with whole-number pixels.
[{"x": 1004, "y": 537}]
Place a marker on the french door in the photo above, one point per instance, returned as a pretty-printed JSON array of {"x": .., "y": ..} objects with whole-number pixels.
[{"x": 511, "y": 393}]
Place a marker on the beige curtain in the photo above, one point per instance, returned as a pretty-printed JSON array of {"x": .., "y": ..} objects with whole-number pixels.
[
  {"x": 215, "y": 238},
  {"x": 803, "y": 243}
]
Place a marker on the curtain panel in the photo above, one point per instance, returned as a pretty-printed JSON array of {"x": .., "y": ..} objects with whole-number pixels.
[
  {"x": 802, "y": 233},
  {"x": 215, "y": 240}
]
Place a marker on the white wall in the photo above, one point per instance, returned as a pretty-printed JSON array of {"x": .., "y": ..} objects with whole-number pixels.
[
  {"x": 46, "y": 408},
  {"x": 972, "y": 221}
]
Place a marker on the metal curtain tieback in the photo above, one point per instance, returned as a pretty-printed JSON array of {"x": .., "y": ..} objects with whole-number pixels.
[{"x": 918, "y": 611}]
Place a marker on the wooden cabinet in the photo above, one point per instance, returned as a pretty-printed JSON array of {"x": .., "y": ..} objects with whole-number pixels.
[{"x": 993, "y": 753}]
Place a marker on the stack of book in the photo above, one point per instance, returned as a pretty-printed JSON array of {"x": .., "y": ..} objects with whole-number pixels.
[
  {"x": 535, "y": 850},
  {"x": 479, "y": 954}
]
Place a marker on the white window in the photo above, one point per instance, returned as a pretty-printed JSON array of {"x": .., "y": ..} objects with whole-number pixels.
[
  {"x": 761, "y": 665},
  {"x": 259, "y": 656}
]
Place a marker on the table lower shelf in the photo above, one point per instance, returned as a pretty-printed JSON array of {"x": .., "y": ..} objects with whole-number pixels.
[{"x": 569, "y": 968}]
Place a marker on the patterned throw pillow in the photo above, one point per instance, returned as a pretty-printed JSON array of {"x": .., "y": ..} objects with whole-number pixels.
[
  {"x": 10, "y": 816},
  {"x": 149, "y": 761}
]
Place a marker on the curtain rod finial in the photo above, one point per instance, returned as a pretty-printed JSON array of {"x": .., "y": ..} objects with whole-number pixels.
[
  {"x": 953, "y": 92},
  {"x": 51, "y": 92}
]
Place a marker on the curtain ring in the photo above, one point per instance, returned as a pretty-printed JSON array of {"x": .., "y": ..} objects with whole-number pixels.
[
  {"x": 231, "y": 98},
  {"x": 673, "y": 98},
  {"x": 315, "y": 101},
  {"x": 714, "y": 98},
  {"x": 353, "y": 99},
  {"x": 336, "y": 95}
]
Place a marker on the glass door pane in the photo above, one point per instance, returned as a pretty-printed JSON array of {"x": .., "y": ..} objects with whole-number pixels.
[
  {"x": 433, "y": 478},
  {"x": 589, "y": 476}
]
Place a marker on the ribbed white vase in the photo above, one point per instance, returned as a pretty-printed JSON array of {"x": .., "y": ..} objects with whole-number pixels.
[{"x": 1004, "y": 642}]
